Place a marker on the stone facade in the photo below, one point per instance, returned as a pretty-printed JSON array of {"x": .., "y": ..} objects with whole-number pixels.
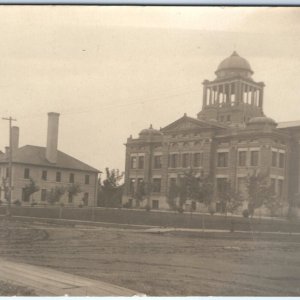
[{"x": 230, "y": 139}]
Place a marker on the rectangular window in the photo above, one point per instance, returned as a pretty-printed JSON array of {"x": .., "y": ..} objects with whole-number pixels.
[
  {"x": 242, "y": 158},
  {"x": 155, "y": 204},
  {"x": 185, "y": 160},
  {"x": 222, "y": 185},
  {"x": 156, "y": 185},
  {"x": 141, "y": 162},
  {"x": 71, "y": 178},
  {"x": 7, "y": 172},
  {"x": 274, "y": 159},
  {"x": 132, "y": 186},
  {"x": 281, "y": 160},
  {"x": 254, "y": 158},
  {"x": 44, "y": 175},
  {"x": 172, "y": 182},
  {"x": 157, "y": 162},
  {"x": 197, "y": 160},
  {"x": 85, "y": 199},
  {"x": 26, "y": 173},
  {"x": 280, "y": 187},
  {"x": 43, "y": 194},
  {"x": 70, "y": 197},
  {"x": 273, "y": 185},
  {"x": 58, "y": 177},
  {"x": 133, "y": 162},
  {"x": 173, "y": 160},
  {"x": 87, "y": 179},
  {"x": 223, "y": 159}
]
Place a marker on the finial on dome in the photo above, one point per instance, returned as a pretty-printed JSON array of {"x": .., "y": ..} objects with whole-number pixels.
[
  {"x": 151, "y": 126},
  {"x": 234, "y": 53},
  {"x": 184, "y": 114}
]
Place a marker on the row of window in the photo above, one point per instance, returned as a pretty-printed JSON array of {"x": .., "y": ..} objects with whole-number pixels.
[
  {"x": 155, "y": 186},
  {"x": 187, "y": 160},
  {"x": 223, "y": 161},
  {"x": 25, "y": 196},
  {"x": 223, "y": 185},
  {"x": 44, "y": 176}
]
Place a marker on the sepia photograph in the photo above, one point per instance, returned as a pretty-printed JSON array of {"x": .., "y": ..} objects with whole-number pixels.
[{"x": 149, "y": 151}]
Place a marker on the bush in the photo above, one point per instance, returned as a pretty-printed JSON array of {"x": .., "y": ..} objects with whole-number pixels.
[
  {"x": 211, "y": 210},
  {"x": 127, "y": 205},
  {"x": 17, "y": 203},
  {"x": 246, "y": 213},
  {"x": 147, "y": 208},
  {"x": 80, "y": 205},
  {"x": 180, "y": 210},
  {"x": 33, "y": 203}
]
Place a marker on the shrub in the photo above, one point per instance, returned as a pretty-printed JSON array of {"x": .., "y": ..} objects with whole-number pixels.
[
  {"x": 127, "y": 205},
  {"x": 211, "y": 210},
  {"x": 17, "y": 203},
  {"x": 246, "y": 213},
  {"x": 33, "y": 203},
  {"x": 180, "y": 210},
  {"x": 147, "y": 207}
]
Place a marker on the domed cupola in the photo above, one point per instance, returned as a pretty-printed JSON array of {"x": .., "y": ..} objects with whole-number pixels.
[
  {"x": 233, "y": 97},
  {"x": 150, "y": 132},
  {"x": 234, "y": 65}
]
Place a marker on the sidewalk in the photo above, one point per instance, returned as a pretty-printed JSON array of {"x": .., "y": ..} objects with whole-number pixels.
[{"x": 49, "y": 282}]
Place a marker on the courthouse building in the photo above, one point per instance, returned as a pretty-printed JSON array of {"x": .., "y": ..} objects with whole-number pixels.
[{"x": 230, "y": 139}]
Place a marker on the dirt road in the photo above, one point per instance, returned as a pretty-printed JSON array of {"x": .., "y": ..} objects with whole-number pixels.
[{"x": 161, "y": 264}]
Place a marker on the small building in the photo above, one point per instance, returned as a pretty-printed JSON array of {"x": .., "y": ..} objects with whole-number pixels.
[
  {"x": 230, "y": 139},
  {"x": 49, "y": 169}
]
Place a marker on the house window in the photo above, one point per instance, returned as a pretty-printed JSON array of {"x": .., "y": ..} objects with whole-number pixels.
[
  {"x": 26, "y": 173},
  {"x": 222, "y": 118},
  {"x": 172, "y": 182},
  {"x": 185, "y": 160},
  {"x": 223, "y": 159},
  {"x": 133, "y": 162},
  {"x": 132, "y": 186},
  {"x": 173, "y": 158},
  {"x": 254, "y": 158},
  {"x": 85, "y": 199},
  {"x": 43, "y": 194},
  {"x": 273, "y": 185},
  {"x": 280, "y": 187},
  {"x": 7, "y": 172},
  {"x": 141, "y": 162},
  {"x": 87, "y": 179},
  {"x": 281, "y": 160},
  {"x": 155, "y": 204},
  {"x": 242, "y": 158},
  {"x": 70, "y": 197},
  {"x": 25, "y": 195},
  {"x": 44, "y": 175},
  {"x": 222, "y": 185},
  {"x": 156, "y": 185},
  {"x": 228, "y": 118},
  {"x": 71, "y": 178},
  {"x": 58, "y": 176},
  {"x": 274, "y": 159},
  {"x": 197, "y": 160},
  {"x": 157, "y": 162}
]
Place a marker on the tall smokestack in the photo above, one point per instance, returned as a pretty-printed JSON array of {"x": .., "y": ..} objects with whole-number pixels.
[
  {"x": 52, "y": 137},
  {"x": 14, "y": 138}
]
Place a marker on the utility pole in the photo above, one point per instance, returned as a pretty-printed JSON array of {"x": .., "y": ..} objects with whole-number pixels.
[{"x": 8, "y": 211}]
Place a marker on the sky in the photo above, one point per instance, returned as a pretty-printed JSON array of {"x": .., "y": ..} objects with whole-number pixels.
[{"x": 112, "y": 71}]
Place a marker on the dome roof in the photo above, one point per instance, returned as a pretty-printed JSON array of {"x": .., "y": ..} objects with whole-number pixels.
[
  {"x": 150, "y": 131},
  {"x": 262, "y": 121},
  {"x": 234, "y": 62}
]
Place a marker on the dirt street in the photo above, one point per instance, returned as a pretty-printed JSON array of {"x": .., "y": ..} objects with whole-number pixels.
[{"x": 160, "y": 264}]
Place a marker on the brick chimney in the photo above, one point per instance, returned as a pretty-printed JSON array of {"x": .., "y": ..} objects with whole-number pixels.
[
  {"x": 14, "y": 138},
  {"x": 52, "y": 137}
]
